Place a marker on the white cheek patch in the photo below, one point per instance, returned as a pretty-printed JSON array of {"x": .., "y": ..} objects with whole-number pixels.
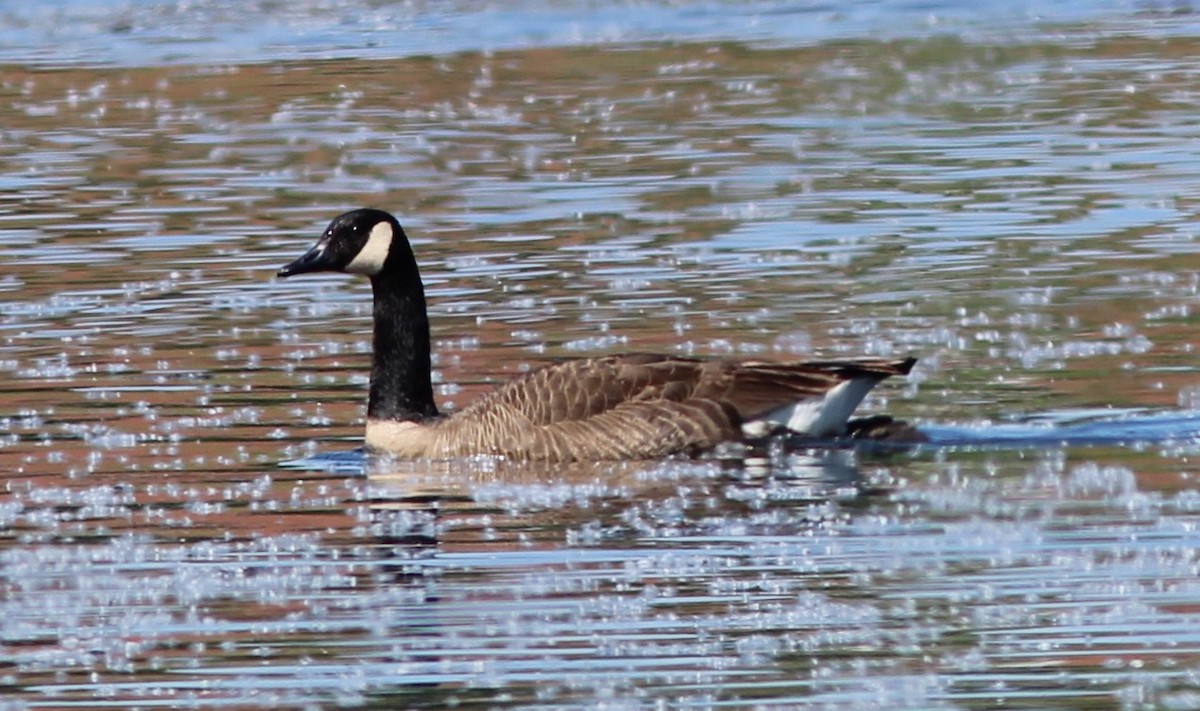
[{"x": 371, "y": 257}]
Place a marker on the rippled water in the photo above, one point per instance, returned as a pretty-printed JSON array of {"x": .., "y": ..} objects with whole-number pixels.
[{"x": 1007, "y": 191}]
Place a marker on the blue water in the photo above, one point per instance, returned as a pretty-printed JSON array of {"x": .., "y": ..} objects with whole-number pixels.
[
  {"x": 1004, "y": 189},
  {"x": 158, "y": 32},
  {"x": 1074, "y": 428}
]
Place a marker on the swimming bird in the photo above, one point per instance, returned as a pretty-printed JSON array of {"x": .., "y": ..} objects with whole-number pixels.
[{"x": 629, "y": 406}]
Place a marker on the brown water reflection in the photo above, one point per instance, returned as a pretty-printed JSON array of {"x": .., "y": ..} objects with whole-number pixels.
[{"x": 1018, "y": 213}]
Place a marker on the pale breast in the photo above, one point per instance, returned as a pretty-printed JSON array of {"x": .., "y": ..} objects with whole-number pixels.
[{"x": 409, "y": 440}]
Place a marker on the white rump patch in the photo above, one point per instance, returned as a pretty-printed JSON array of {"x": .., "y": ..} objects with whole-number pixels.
[
  {"x": 817, "y": 417},
  {"x": 371, "y": 257}
]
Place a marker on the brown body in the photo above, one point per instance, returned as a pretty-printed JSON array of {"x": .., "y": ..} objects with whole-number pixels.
[{"x": 637, "y": 406}]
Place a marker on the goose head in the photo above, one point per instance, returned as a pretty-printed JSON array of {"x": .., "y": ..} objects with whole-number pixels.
[{"x": 364, "y": 241}]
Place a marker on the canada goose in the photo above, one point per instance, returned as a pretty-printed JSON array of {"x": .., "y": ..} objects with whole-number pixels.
[{"x": 633, "y": 406}]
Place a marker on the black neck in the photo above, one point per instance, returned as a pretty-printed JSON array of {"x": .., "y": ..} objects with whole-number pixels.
[{"x": 400, "y": 384}]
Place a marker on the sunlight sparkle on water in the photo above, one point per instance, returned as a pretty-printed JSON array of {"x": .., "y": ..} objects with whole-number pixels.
[{"x": 1002, "y": 190}]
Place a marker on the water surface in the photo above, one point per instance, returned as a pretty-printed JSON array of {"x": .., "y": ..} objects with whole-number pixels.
[{"x": 1006, "y": 192}]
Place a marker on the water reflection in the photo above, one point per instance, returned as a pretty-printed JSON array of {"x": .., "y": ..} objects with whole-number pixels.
[
  {"x": 1010, "y": 201},
  {"x": 670, "y": 571}
]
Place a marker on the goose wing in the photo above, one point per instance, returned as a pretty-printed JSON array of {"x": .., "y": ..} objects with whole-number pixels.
[
  {"x": 613, "y": 407},
  {"x": 641, "y": 405}
]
